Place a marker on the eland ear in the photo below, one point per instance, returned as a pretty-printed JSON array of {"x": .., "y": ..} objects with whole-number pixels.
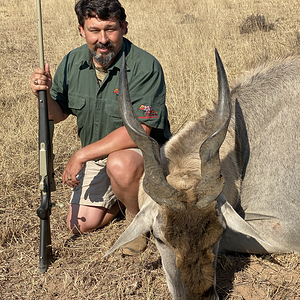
[{"x": 141, "y": 224}]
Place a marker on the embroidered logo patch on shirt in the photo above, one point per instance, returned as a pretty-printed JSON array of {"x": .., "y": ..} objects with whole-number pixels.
[
  {"x": 116, "y": 91},
  {"x": 148, "y": 112}
]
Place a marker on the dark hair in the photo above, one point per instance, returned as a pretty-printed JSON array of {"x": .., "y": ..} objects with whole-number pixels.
[{"x": 104, "y": 9}]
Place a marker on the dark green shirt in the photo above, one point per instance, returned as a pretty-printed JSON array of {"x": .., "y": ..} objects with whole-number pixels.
[{"x": 76, "y": 89}]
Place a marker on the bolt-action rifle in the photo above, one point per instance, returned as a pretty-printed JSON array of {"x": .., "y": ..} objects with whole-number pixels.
[{"x": 47, "y": 183}]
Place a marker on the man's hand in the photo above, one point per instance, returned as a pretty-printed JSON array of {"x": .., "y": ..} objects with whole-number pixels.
[
  {"x": 73, "y": 167},
  {"x": 41, "y": 80}
]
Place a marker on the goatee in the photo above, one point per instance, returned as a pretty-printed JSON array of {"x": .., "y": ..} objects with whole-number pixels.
[{"x": 105, "y": 58}]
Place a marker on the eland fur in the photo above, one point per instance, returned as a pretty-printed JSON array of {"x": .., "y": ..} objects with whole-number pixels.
[{"x": 226, "y": 182}]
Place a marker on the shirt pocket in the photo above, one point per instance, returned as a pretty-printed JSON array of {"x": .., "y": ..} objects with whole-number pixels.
[
  {"x": 78, "y": 107},
  {"x": 113, "y": 117}
]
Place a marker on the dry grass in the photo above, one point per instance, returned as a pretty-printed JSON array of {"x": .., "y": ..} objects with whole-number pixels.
[{"x": 182, "y": 35}]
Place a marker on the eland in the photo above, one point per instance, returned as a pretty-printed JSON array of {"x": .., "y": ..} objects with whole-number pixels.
[{"x": 226, "y": 182}]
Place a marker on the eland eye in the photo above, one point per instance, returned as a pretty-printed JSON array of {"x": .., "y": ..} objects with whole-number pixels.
[{"x": 158, "y": 239}]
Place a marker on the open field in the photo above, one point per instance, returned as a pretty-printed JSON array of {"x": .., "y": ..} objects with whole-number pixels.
[{"x": 183, "y": 36}]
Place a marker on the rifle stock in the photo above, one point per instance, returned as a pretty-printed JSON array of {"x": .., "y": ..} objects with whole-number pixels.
[{"x": 47, "y": 183}]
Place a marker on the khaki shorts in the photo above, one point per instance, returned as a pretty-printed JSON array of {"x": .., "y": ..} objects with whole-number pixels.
[{"x": 94, "y": 188}]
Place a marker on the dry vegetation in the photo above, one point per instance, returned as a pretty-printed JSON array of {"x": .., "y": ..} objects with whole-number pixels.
[{"x": 182, "y": 35}]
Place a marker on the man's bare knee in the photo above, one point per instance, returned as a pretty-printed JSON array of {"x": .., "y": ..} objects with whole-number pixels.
[{"x": 125, "y": 167}]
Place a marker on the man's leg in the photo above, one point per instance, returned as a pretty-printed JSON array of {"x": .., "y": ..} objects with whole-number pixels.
[
  {"x": 93, "y": 203},
  {"x": 84, "y": 218},
  {"x": 125, "y": 168}
]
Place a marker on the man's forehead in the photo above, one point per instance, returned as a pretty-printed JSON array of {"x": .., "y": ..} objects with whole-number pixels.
[{"x": 96, "y": 17}]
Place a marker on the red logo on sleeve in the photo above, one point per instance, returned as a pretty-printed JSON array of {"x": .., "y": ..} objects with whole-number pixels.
[{"x": 148, "y": 112}]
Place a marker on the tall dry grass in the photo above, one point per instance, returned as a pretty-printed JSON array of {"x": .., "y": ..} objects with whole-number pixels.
[{"x": 182, "y": 35}]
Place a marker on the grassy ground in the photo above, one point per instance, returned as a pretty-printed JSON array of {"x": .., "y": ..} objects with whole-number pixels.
[{"x": 182, "y": 35}]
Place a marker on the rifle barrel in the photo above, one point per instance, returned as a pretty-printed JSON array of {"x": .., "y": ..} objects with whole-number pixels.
[{"x": 45, "y": 157}]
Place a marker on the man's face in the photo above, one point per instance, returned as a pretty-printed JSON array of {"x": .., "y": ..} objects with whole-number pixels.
[{"x": 104, "y": 39}]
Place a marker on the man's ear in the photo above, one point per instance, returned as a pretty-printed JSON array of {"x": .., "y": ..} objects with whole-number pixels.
[
  {"x": 81, "y": 30},
  {"x": 124, "y": 28}
]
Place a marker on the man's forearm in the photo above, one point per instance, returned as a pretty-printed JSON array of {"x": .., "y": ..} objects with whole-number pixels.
[
  {"x": 55, "y": 112},
  {"x": 119, "y": 139}
]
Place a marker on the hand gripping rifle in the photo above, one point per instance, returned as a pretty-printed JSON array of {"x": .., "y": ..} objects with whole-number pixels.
[{"x": 47, "y": 184}]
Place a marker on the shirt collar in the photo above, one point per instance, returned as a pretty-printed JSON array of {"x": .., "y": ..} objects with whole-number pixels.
[{"x": 85, "y": 58}]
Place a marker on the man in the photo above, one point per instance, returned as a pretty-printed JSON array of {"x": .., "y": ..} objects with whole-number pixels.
[{"x": 108, "y": 167}]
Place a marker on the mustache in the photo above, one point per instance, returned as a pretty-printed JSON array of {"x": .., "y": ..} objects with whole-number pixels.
[{"x": 108, "y": 45}]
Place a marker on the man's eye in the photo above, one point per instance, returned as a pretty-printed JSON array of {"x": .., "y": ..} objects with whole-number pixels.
[{"x": 111, "y": 28}]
